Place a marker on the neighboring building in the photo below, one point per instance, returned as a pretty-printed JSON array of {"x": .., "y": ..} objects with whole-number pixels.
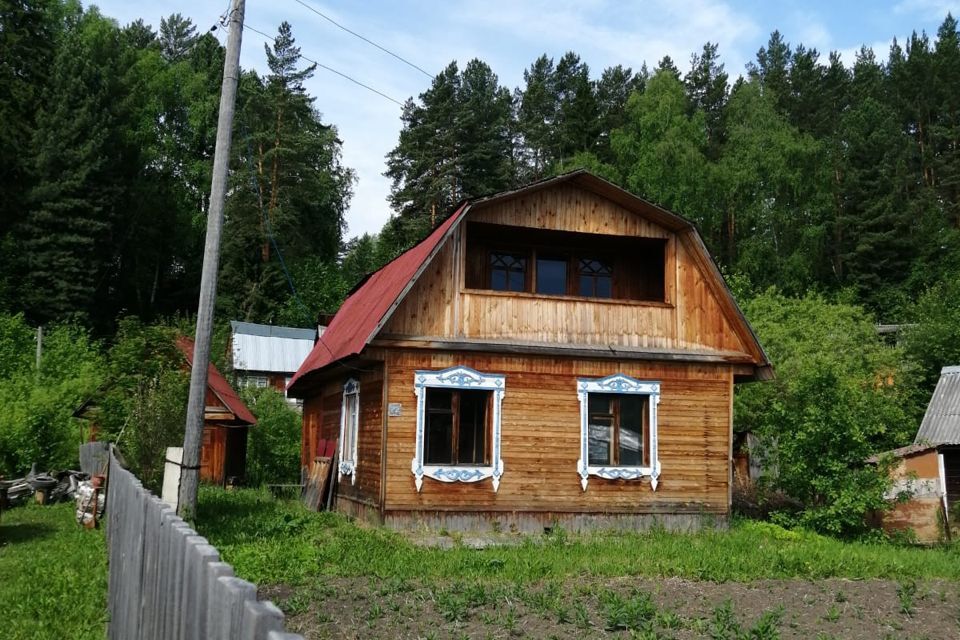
[
  {"x": 929, "y": 469},
  {"x": 563, "y": 353},
  {"x": 226, "y": 421},
  {"x": 264, "y": 355}
]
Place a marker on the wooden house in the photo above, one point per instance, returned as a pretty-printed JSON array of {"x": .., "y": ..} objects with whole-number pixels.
[
  {"x": 563, "y": 353},
  {"x": 226, "y": 421}
]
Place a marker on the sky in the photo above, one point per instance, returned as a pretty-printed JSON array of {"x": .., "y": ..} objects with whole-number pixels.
[{"x": 509, "y": 36}]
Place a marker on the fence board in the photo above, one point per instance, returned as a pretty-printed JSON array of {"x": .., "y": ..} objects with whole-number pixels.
[{"x": 165, "y": 581}]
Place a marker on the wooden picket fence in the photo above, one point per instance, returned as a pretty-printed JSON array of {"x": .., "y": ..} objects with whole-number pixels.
[{"x": 168, "y": 582}]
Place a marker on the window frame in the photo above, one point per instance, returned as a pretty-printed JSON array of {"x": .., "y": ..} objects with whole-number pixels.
[
  {"x": 459, "y": 377},
  {"x": 618, "y": 384},
  {"x": 348, "y": 459}
]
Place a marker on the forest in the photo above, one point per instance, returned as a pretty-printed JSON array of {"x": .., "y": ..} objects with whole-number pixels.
[{"x": 828, "y": 193}]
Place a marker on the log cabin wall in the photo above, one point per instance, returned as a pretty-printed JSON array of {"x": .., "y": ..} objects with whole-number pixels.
[
  {"x": 321, "y": 420},
  {"x": 690, "y": 318},
  {"x": 541, "y": 444}
]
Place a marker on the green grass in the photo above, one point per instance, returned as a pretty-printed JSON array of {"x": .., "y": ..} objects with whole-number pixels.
[
  {"x": 273, "y": 542},
  {"x": 53, "y": 575}
]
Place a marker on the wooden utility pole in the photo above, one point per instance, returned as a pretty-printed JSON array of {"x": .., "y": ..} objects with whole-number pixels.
[{"x": 193, "y": 437}]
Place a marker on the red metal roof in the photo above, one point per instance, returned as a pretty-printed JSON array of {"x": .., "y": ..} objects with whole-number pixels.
[
  {"x": 219, "y": 385},
  {"x": 362, "y": 312}
]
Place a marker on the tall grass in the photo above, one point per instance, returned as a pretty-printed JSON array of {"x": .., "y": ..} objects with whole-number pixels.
[{"x": 272, "y": 542}]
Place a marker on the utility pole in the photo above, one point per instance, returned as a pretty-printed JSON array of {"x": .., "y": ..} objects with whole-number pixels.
[
  {"x": 39, "y": 347},
  {"x": 193, "y": 437}
]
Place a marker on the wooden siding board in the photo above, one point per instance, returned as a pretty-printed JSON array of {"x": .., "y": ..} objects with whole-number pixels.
[{"x": 541, "y": 438}]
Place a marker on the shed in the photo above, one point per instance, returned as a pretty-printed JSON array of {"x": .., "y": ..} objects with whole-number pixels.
[
  {"x": 265, "y": 355},
  {"x": 564, "y": 353},
  {"x": 226, "y": 421},
  {"x": 929, "y": 469}
]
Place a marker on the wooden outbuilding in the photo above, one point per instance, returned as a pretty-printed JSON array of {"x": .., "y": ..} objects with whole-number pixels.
[
  {"x": 226, "y": 422},
  {"x": 927, "y": 472},
  {"x": 564, "y": 353}
]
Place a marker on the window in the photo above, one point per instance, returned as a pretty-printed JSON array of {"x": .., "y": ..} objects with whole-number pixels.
[
  {"x": 508, "y": 272},
  {"x": 550, "y": 262},
  {"x": 349, "y": 427},
  {"x": 456, "y": 429},
  {"x": 618, "y": 429},
  {"x": 552, "y": 275},
  {"x": 596, "y": 278},
  {"x": 458, "y": 426},
  {"x": 253, "y": 381}
]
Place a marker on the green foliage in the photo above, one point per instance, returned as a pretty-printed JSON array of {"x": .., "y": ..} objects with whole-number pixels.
[
  {"x": 273, "y": 447},
  {"x": 36, "y": 594},
  {"x": 36, "y": 407},
  {"x": 840, "y": 396},
  {"x": 933, "y": 338}
]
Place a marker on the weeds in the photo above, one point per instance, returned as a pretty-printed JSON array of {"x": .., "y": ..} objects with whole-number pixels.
[
  {"x": 906, "y": 593},
  {"x": 631, "y": 613}
]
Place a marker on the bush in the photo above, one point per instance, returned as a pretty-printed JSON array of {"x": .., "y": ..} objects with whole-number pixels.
[
  {"x": 36, "y": 406},
  {"x": 840, "y": 395},
  {"x": 273, "y": 451}
]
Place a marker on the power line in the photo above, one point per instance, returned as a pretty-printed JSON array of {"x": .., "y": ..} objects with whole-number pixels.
[
  {"x": 367, "y": 40},
  {"x": 330, "y": 69}
]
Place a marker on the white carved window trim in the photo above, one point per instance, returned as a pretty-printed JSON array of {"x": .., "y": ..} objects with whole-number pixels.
[
  {"x": 458, "y": 378},
  {"x": 349, "y": 425},
  {"x": 617, "y": 384}
]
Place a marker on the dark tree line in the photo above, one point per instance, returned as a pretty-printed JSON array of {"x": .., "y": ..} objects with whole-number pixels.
[
  {"x": 105, "y": 157},
  {"x": 802, "y": 173}
]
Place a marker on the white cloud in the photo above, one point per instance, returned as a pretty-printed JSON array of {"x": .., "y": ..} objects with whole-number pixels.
[{"x": 928, "y": 9}]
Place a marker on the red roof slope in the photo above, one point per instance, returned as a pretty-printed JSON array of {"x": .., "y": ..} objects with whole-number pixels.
[
  {"x": 219, "y": 385},
  {"x": 360, "y": 314}
]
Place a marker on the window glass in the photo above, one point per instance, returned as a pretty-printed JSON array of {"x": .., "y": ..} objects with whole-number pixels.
[
  {"x": 508, "y": 272},
  {"x": 631, "y": 430},
  {"x": 439, "y": 427},
  {"x": 456, "y": 427},
  {"x": 615, "y": 429},
  {"x": 472, "y": 434},
  {"x": 596, "y": 278},
  {"x": 552, "y": 276}
]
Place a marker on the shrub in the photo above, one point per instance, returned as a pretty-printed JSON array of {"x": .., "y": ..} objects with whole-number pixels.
[
  {"x": 840, "y": 395},
  {"x": 36, "y": 406},
  {"x": 273, "y": 451}
]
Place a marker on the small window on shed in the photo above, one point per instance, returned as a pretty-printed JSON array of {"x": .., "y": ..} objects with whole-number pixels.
[
  {"x": 552, "y": 275},
  {"x": 596, "y": 278}
]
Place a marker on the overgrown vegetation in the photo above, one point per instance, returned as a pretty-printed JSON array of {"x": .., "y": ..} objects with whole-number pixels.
[
  {"x": 841, "y": 394},
  {"x": 53, "y": 575}
]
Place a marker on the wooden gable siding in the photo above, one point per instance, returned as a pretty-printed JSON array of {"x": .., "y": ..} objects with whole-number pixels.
[
  {"x": 321, "y": 420},
  {"x": 692, "y": 319},
  {"x": 541, "y": 439}
]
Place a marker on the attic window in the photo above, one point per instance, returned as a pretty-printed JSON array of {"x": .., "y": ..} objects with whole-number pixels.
[
  {"x": 458, "y": 426},
  {"x": 596, "y": 278},
  {"x": 618, "y": 429},
  {"x": 562, "y": 263},
  {"x": 508, "y": 272}
]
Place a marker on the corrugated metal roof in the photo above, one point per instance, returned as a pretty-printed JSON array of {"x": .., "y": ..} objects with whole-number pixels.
[
  {"x": 219, "y": 385},
  {"x": 941, "y": 423},
  {"x": 261, "y": 347},
  {"x": 271, "y": 331}
]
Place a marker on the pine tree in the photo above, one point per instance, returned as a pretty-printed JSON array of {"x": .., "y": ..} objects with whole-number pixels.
[
  {"x": 536, "y": 117},
  {"x": 177, "y": 37},
  {"x": 707, "y": 90}
]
